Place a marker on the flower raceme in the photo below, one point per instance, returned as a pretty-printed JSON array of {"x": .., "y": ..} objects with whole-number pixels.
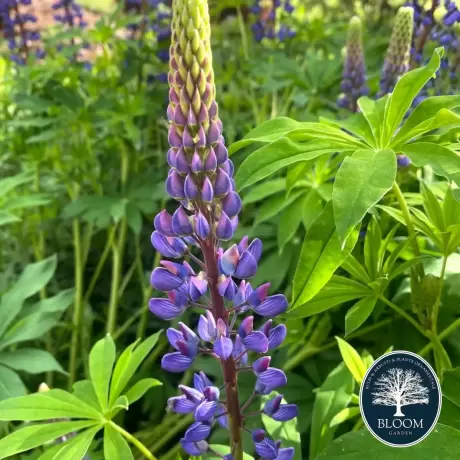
[{"x": 201, "y": 180}]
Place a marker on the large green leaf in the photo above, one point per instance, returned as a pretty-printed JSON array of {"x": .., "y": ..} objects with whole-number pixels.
[
  {"x": 290, "y": 220},
  {"x": 362, "y": 180},
  {"x": 431, "y": 113},
  {"x": 405, "y": 92},
  {"x": 115, "y": 446},
  {"x": 338, "y": 290},
  {"x": 101, "y": 361},
  {"x": 268, "y": 131},
  {"x": 264, "y": 190},
  {"x": 74, "y": 449},
  {"x": 45, "y": 406},
  {"x": 30, "y": 360},
  {"x": 320, "y": 257},
  {"x": 442, "y": 444},
  {"x": 357, "y": 314},
  {"x": 36, "y": 435},
  {"x": 333, "y": 396},
  {"x": 11, "y": 384},
  {"x": 286, "y": 432},
  {"x": 33, "y": 278},
  {"x": 128, "y": 363},
  {"x": 140, "y": 388},
  {"x": 373, "y": 112},
  {"x": 444, "y": 161},
  {"x": 451, "y": 385}
]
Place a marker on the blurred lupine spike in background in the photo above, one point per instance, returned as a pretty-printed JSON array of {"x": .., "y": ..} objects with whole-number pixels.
[
  {"x": 354, "y": 78},
  {"x": 398, "y": 53}
]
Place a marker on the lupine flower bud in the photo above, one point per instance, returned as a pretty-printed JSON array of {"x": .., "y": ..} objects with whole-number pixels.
[
  {"x": 201, "y": 179},
  {"x": 398, "y": 52},
  {"x": 354, "y": 79}
]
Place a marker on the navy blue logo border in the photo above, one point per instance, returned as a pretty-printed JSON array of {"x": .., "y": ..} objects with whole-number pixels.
[{"x": 363, "y": 415}]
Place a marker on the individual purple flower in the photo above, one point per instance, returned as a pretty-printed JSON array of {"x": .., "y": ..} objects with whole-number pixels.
[
  {"x": 271, "y": 20},
  {"x": 215, "y": 278},
  {"x": 280, "y": 412}
]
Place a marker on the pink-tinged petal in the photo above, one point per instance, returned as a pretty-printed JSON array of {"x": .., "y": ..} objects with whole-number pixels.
[
  {"x": 171, "y": 157},
  {"x": 247, "y": 266},
  {"x": 163, "y": 280},
  {"x": 211, "y": 393},
  {"x": 259, "y": 295},
  {"x": 203, "y": 330},
  {"x": 176, "y": 362},
  {"x": 196, "y": 164},
  {"x": 229, "y": 260},
  {"x": 246, "y": 326},
  {"x": 227, "y": 287},
  {"x": 178, "y": 298},
  {"x": 192, "y": 394},
  {"x": 258, "y": 435},
  {"x": 174, "y": 138},
  {"x": 210, "y": 163},
  {"x": 261, "y": 364},
  {"x": 213, "y": 133},
  {"x": 243, "y": 244},
  {"x": 223, "y": 347},
  {"x": 187, "y": 139},
  {"x": 165, "y": 309},
  {"x": 200, "y": 381},
  {"x": 238, "y": 352},
  {"x": 272, "y": 306},
  {"x": 163, "y": 223},
  {"x": 179, "y": 117},
  {"x": 168, "y": 246},
  {"x": 273, "y": 405},
  {"x": 256, "y": 341},
  {"x": 174, "y": 336}
]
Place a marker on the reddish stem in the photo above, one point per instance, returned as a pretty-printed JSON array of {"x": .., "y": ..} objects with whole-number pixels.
[{"x": 229, "y": 368}]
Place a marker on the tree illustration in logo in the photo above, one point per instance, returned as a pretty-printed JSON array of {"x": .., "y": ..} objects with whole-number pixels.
[{"x": 399, "y": 387}]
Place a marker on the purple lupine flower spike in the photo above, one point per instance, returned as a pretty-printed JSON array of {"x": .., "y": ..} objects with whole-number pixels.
[
  {"x": 354, "y": 79},
  {"x": 201, "y": 180}
]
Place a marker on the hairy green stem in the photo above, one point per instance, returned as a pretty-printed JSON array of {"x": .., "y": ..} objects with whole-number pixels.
[
  {"x": 435, "y": 311},
  {"x": 117, "y": 258},
  {"x": 78, "y": 303},
  {"x": 129, "y": 437}
]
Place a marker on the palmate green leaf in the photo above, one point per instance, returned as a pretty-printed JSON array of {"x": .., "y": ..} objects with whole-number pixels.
[
  {"x": 6, "y": 218},
  {"x": 30, "y": 360},
  {"x": 45, "y": 406},
  {"x": 267, "y": 132},
  {"x": 333, "y": 396},
  {"x": 358, "y": 314},
  {"x": 34, "y": 277},
  {"x": 320, "y": 257},
  {"x": 361, "y": 182},
  {"x": 338, "y": 290},
  {"x": 115, "y": 446},
  {"x": 36, "y": 435},
  {"x": 11, "y": 384},
  {"x": 406, "y": 90},
  {"x": 352, "y": 360},
  {"x": 74, "y": 449},
  {"x": 444, "y": 161},
  {"x": 313, "y": 206},
  {"x": 358, "y": 125},
  {"x": 10, "y": 183},
  {"x": 140, "y": 388},
  {"x": 286, "y": 432},
  {"x": 128, "y": 363},
  {"x": 374, "y": 113},
  {"x": 101, "y": 361},
  {"x": 443, "y": 443},
  {"x": 29, "y": 201},
  {"x": 279, "y": 154},
  {"x": 264, "y": 190},
  {"x": 428, "y": 115},
  {"x": 84, "y": 389}
]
